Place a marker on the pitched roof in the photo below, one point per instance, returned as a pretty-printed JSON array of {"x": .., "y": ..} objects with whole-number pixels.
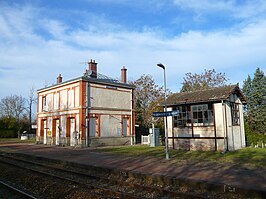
[
  {"x": 100, "y": 79},
  {"x": 208, "y": 95}
]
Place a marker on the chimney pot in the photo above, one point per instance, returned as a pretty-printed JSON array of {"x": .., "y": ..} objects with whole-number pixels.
[
  {"x": 59, "y": 79},
  {"x": 124, "y": 75},
  {"x": 93, "y": 67}
]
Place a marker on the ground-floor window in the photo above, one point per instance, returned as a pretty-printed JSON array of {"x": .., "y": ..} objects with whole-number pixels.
[
  {"x": 183, "y": 118},
  {"x": 200, "y": 115}
]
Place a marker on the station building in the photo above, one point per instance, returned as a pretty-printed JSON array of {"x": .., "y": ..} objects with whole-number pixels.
[
  {"x": 90, "y": 110},
  {"x": 208, "y": 120}
]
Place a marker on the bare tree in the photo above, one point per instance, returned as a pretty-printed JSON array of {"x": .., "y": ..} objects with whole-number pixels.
[
  {"x": 32, "y": 99},
  {"x": 12, "y": 106},
  {"x": 206, "y": 80}
]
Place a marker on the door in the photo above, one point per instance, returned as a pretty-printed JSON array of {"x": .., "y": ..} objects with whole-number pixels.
[
  {"x": 92, "y": 127},
  {"x": 45, "y": 132},
  {"x": 57, "y": 132},
  {"x": 72, "y": 132}
]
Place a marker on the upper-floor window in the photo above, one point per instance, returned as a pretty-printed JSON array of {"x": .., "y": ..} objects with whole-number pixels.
[
  {"x": 202, "y": 115},
  {"x": 44, "y": 103},
  {"x": 235, "y": 114}
]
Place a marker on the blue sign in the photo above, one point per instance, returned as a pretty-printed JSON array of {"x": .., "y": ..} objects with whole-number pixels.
[
  {"x": 175, "y": 113},
  {"x": 166, "y": 113}
]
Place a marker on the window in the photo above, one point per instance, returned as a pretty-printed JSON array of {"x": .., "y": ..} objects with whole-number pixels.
[
  {"x": 235, "y": 114},
  {"x": 184, "y": 117},
  {"x": 202, "y": 115},
  {"x": 44, "y": 103}
]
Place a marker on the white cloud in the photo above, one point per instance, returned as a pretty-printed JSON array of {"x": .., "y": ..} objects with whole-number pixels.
[
  {"x": 35, "y": 60},
  {"x": 242, "y": 9}
]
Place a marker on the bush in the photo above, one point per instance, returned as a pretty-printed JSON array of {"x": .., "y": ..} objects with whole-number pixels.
[
  {"x": 7, "y": 133},
  {"x": 252, "y": 137}
]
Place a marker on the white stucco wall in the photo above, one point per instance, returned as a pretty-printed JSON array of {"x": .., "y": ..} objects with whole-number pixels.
[
  {"x": 104, "y": 97},
  {"x": 111, "y": 126}
]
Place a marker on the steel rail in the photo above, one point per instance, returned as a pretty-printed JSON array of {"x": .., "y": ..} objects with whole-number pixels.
[{"x": 13, "y": 188}]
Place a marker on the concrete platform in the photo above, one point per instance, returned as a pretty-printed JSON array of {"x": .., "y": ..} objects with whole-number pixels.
[{"x": 251, "y": 183}]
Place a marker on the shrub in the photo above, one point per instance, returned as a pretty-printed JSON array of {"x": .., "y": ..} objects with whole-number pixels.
[
  {"x": 7, "y": 133},
  {"x": 252, "y": 137}
]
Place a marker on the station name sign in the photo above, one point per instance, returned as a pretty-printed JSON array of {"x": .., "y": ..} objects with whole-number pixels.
[{"x": 165, "y": 114}]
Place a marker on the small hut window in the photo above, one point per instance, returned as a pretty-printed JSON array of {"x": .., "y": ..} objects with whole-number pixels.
[
  {"x": 235, "y": 114},
  {"x": 184, "y": 117},
  {"x": 202, "y": 115}
]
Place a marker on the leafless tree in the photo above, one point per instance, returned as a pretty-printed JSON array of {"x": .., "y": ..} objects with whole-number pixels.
[
  {"x": 12, "y": 106},
  {"x": 202, "y": 81},
  {"x": 32, "y": 99}
]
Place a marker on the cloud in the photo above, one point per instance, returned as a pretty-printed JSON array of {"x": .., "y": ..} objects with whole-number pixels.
[
  {"x": 243, "y": 9},
  {"x": 37, "y": 49}
]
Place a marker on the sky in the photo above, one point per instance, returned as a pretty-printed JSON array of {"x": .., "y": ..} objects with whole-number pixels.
[{"x": 40, "y": 39}]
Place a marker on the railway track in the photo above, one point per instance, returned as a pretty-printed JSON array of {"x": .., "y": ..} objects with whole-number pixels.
[
  {"x": 8, "y": 191},
  {"x": 98, "y": 186}
]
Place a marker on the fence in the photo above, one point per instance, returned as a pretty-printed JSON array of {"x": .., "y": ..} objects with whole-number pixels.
[{"x": 145, "y": 139}]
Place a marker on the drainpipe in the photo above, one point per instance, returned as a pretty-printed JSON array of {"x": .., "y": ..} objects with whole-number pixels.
[
  {"x": 224, "y": 126},
  {"x": 87, "y": 114},
  {"x": 131, "y": 119}
]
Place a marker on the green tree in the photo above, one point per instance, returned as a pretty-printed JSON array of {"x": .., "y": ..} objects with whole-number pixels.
[
  {"x": 145, "y": 94},
  {"x": 208, "y": 79},
  {"x": 255, "y": 92},
  {"x": 247, "y": 90},
  {"x": 13, "y": 107}
]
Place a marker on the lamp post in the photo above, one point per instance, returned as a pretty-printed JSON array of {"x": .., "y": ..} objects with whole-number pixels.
[{"x": 165, "y": 109}]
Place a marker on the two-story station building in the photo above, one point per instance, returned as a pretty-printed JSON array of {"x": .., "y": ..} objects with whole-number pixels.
[{"x": 89, "y": 110}]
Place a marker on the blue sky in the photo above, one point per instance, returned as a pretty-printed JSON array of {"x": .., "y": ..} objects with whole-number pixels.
[{"x": 40, "y": 39}]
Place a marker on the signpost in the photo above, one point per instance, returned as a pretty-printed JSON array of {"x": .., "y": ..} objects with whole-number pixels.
[{"x": 165, "y": 114}]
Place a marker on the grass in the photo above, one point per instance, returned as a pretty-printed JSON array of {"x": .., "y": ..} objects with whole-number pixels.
[{"x": 252, "y": 158}]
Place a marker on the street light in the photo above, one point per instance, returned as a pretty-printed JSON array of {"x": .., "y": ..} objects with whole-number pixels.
[{"x": 165, "y": 109}]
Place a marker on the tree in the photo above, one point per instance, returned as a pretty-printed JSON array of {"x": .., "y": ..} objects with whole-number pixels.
[
  {"x": 208, "y": 79},
  {"x": 255, "y": 92},
  {"x": 247, "y": 90},
  {"x": 13, "y": 107},
  {"x": 147, "y": 95},
  {"x": 31, "y": 101}
]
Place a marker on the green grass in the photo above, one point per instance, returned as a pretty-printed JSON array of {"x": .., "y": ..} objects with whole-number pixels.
[{"x": 252, "y": 158}]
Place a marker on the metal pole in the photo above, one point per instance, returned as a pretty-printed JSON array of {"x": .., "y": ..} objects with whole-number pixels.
[{"x": 165, "y": 107}]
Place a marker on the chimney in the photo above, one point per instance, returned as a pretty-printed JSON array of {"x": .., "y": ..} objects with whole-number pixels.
[
  {"x": 93, "y": 68},
  {"x": 124, "y": 75},
  {"x": 59, "y": 79}
]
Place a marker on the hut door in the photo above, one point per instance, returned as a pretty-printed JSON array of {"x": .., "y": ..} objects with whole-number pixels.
[
  {"x": 57, "y": 132},
  {"x": 92, "y": 127},
  {"x": 72, "y": 132}
]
